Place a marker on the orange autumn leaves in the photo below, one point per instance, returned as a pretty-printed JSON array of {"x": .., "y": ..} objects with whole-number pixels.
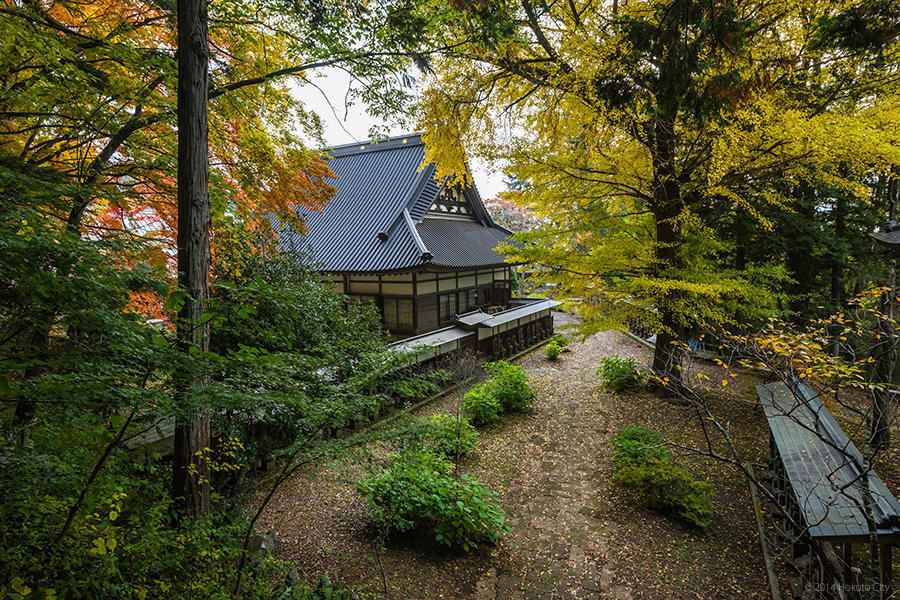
[{"x": 90, "y": 92}]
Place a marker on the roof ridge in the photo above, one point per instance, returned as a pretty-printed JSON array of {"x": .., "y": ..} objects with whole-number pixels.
[
  {"x": 424, "y": 253},
  {"x": 370, "y": 225},
  {"x": 412, "y": 198},
  {"x": 391, "y": 143}
]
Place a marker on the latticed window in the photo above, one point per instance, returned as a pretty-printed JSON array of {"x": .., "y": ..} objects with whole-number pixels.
[
  {"x": 467, "y": 300},
  {"x": 447, "y": 306},
  {"x": 398, "y": 313},
  {"x": 457, "y": 302}
]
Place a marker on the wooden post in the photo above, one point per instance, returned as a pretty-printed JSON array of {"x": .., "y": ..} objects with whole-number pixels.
[
  {"x": 847, "y": 557},
  {"x": 886, "y": 568}
]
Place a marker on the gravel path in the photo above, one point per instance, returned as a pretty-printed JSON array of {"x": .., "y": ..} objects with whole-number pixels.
[
  {"x": 559, "y": 546},
  {"x": 574, "y": 534}
]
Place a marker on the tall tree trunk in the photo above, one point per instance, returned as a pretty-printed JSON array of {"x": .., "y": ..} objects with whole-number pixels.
[
  {"x": 838, "y": 285},
  {"x": 797, "y": 259},
  {"x": 742, "y": 229},
  {"x": 190, "y": 478},
  {"x": 667, "y": 208},
  {"x": 885, "y": 349},
  {"x": 838, "y": 292}
]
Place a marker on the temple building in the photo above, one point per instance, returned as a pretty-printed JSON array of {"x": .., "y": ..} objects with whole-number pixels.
[{"x": 423, "y": 251}]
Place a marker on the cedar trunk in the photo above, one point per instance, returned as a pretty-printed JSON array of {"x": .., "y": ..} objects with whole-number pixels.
[
  {"x": 838, "y": 286},
  {"x": 190, "y": 478},
  {"x": 797, "y": 257}
]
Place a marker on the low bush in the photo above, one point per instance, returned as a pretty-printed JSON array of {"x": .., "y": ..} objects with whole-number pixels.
[
  {"x": 481, "y": 405},
  {"x": 415, "y": 491},
  {"x": 509, "y": 385},
  {"x": 561, "y": 341},
  {"x": 552, "y": 351},
  {"x": 645, "y": 466},
  {"x": 638, "y": 445},
  {"x": 448, "y": 435},
  {"x": 618, "y": 373},
  {"x": 505, "y": 389},
  {"x": 670, "y": 489}
]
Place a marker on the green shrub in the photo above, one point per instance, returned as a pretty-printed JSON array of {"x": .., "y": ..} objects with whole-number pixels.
[
  {"x": 561, "y": 341},
  {"x": 618, "y": 373},
  {"x": 669, "y": 489},
  {"x": 645, "y": 466},
  {"x": 637, "y": 445},
  {"x": 448, "y": 435},
  {"x": 506, "y": 389},
  {"x": 509, "y": 385},
  {"x": 481, "y": 405},
  {"x": 415, "y": 490},
  {"x": 552, "y": 351}
]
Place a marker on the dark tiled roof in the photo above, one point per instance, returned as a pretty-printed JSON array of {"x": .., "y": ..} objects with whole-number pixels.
[
  {"x": 460, "y": 243},
  {"x": 376, "y": 221}
]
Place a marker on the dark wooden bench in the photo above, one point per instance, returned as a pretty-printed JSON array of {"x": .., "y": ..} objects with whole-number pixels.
[{"x": 817, "y": 477}]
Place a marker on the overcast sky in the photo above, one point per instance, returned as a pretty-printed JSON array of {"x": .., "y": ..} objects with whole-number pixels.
[{"x": 344, "y": 126}]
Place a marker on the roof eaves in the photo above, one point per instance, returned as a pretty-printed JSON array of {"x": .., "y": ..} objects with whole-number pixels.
[{"x": 478, "y": 205}]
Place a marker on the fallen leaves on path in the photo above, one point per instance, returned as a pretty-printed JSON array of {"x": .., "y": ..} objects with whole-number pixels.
[{"x": 575, "y": 534}]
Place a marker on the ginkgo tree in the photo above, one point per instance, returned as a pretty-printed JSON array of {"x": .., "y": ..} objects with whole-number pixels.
[{"x": 635, "y": 121}]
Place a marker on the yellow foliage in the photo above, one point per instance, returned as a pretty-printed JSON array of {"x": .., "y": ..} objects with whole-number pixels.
[{"x": 575, "y": 103}]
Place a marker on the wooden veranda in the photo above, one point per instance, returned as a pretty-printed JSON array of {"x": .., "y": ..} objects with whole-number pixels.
[
  {"x": 829, "y": 500},
  {"x": 493, "y": 335}
]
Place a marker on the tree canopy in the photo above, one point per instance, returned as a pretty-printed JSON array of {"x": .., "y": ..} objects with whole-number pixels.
[
  {"x": 642, "y": 125},
  {"x": 94, "y": 148},
  {"x": 90, "y": 90}
]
